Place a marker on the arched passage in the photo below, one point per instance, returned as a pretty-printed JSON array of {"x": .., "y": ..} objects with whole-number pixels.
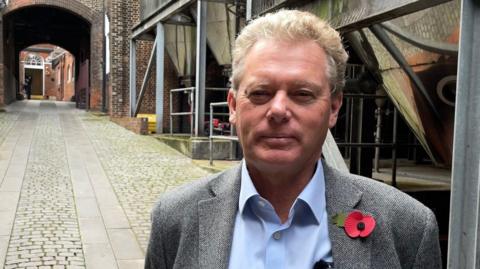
[
  {"x": 73, "y": 27},
  {"x": 47, "y": 72}
]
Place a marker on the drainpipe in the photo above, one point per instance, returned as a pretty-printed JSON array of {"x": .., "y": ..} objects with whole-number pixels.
[{"x": 104, "y": 67}]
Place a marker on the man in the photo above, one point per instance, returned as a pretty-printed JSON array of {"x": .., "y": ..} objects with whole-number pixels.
[
  {"x": 28, "y": 87},
  {"x": 283, "y": 207}
]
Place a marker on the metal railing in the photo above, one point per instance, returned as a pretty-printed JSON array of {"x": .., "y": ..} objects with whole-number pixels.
[
  {"x": 191, "y": 91},
  {"x": 211, "y": 136},
  {"x": 191, "y": 113}
]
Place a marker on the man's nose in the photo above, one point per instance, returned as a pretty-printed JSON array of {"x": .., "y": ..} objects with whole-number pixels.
[{"x": 279, "y": 108}]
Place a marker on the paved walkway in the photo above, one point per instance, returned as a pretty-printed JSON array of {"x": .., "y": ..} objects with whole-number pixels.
[{"x": 76, "y": 190}]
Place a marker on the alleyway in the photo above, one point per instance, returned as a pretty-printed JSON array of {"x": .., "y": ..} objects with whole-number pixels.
[{"x": 76, "y": 189}]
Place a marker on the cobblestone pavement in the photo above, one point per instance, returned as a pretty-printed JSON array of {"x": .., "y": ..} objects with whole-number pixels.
[
  {"x": 45, "y": 231},
  {"x": 139, "y": 168},
  {"x": 76, "y": 190},
  {"x": 7, "y": 121}
]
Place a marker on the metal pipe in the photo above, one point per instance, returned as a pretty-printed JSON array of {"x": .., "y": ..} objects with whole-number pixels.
[
  {"x": 394, "y": 149},
  {"x": 104, "y": 67},
  {"x": 365, "y": 145},
  {"x": 397, "y": 55},
  {"x": 192, "y": 111},
  {"x": 378, "y": 138},
  {"x": 160, "y": 48},
  {"x": 463, "y": 235},
  {"x": 200, "y": 67},
  {"x": 171, "y": 113},
  {"x": 364, "y": 96},
  {"x": 425, "y": 44},
  {"x": 133, "y": 78},
  {"x": 211, "y": 134}
]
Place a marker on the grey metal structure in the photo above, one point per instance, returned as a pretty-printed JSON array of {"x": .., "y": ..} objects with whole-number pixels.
[
  {"x": 353, "y": 14},
  {"x": 159, "y": 92},
  {"x": 191, "y": 113},
  {"x": 211, "y": 136},
  {"x": 161, "y": 14},
  {"x": 397, "y": 55},
  {"x": 133, "y": 78},
  {"x": 426, "y": 44},
  {"x": 464, "y": 247},
  {"x": 200, "y": 66}
]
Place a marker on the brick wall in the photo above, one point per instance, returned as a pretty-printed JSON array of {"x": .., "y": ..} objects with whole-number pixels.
[
  {"x": 123, "y": 16},
  {"x": 136, "y": 125}
]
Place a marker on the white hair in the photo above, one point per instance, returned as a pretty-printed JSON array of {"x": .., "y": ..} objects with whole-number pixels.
[{"x": 292, "y": 25}]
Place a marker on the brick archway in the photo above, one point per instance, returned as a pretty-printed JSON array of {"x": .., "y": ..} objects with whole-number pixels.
[
  {"x": 91, "y": 12},
  {"x": 73, "y": 6}
]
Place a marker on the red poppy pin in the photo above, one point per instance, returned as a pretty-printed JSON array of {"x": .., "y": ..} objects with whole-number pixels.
[{"x": 355, "y": 224}]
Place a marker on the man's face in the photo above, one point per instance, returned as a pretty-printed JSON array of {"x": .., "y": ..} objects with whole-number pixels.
[{"x": 283, "y": 107}]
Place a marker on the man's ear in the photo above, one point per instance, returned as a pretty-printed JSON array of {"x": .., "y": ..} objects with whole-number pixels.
[
  {"x": 335, "y": 105},
  {"x": 232, "y": 106}
]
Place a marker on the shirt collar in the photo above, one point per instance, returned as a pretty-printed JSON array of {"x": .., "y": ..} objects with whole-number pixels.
[
  {"x": 247, "y": 189},
  {"x": 313, "y": 195}
]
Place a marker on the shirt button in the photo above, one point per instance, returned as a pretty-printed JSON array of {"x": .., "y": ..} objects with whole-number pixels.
[
  {"x": 261, "y": 203},
  {"x": 277, "y": 235}
]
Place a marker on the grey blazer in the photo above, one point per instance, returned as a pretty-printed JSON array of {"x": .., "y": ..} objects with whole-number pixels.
[{"x": 192, "y": 226}]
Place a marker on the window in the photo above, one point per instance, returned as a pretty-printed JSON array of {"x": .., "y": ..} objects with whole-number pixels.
[{"x": 34, "y": 59}]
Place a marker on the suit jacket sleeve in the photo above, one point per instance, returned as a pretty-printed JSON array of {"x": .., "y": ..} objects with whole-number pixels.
[
  {"x": 155, "y": 256},
  {"x": 428, "y": 254}
]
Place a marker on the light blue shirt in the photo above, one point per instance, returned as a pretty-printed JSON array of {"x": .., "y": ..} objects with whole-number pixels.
[{"x": 260, "y": 240}]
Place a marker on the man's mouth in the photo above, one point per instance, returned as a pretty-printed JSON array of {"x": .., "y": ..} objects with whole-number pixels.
[{"x": 278, "y": 140}]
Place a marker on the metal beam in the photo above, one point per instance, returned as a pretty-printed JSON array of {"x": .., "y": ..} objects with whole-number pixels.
[
  {"x": 398, "y": 56},
  {"x": 377, "y": 11},
  {"x": 145, "y": 79},
  {"x": 354, "y": 14},
  {"x": 200, "y": 67},
  {"x": 133, "y": 78},
  {"x": 160, "y": 16},
  {"x": 160, "y": 40},
  {"x": 463, "y": 241}
]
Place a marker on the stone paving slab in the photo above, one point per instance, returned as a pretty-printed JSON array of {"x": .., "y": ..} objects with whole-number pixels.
[
  {"x": 45, "y": 231},
  {"x": 76, "y": 190},
  {"x": 139, "y": 168}
]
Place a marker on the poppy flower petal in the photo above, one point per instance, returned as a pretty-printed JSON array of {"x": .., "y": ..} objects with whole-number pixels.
[
  {"x": 356, "y": 215},
  {"x": 369, "y": 226},
  {"x": 351, "y": 223}
]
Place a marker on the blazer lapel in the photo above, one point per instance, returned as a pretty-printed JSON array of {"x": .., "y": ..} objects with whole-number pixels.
[
  {"x": 342, "y": 197},
  {"x": 217, "y": 219}
]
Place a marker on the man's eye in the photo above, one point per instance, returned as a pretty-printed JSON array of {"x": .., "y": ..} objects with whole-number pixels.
[
  {"x": 259, "y": 96},
  {"x": 303, "y": 96}
]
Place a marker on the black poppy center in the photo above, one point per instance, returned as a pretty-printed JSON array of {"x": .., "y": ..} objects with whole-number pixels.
[{"x": 361, "y": 226}]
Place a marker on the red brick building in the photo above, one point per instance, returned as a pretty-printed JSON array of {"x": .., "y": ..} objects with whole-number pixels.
[{"x": 52, "y": 71}]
